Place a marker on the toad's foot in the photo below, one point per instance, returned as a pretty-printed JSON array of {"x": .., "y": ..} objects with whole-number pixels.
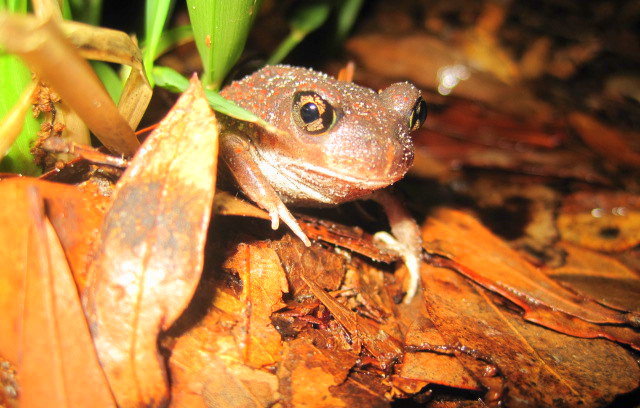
[
  {"x": 410, "y": 257},
  {"x": 281, "y": 212}
]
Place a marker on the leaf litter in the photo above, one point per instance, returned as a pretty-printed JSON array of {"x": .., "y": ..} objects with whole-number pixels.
[{"x": 186, "y": 313}]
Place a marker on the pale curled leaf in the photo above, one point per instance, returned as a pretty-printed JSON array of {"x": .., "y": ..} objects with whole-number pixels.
[
  {"x": 103, "y": 44},
  {"x": 151, "y": 253},
  {"x": 42, "y": 45}
]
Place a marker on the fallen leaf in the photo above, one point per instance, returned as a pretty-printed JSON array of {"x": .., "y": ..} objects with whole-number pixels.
[
  {"x": 455, "y": 153},
  {"x": 599, "y": 277},
  {"x": 540, "y": 367},
  {"x": 208, "y": 370},
  {"x": 151, "y": 247},
  {"x": 606, "y": 221},
  {"x": 421, "y": 57},
  {"x": 325, "y": 268},
  {"x": 308, "y": 374},
  {"x": 352, "y": 238},
  {"x": 57, "y": 362},
  {"x": 264, "y": 283},
  {"x": 432, "y": 368},
  {"x": 606, "y": 141},
  {"x": 486, "y": 259},
  {"x": 380, "y": 344}
]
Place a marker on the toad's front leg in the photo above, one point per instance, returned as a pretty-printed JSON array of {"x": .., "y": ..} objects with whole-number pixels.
[{"x": 236, "y": 152}]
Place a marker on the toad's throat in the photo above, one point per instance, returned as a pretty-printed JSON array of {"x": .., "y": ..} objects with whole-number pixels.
[{"x": 305, "y": 184}]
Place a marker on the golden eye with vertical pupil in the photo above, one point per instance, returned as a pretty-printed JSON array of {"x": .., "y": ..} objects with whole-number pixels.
[
  {"x": 418, "y": 114},
  {"x": 312, "y": 113}
]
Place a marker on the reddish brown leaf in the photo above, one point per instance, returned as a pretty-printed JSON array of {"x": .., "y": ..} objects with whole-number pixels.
[
  {"x": 380, "y": 344},
  {"x": 58, "y": 365},
  {"x": 539, "y": 367},
  {"x": 151, "y": 252},
  {"x": 212, "y": 362},
  {"x": 14, "y": 217},
  {"x": 606, "y": 141},
  {"x": 419, "y": 57},
  {"x": 452, "y": 151},
  {"x": 75, "y": 216},
  {"x": 309, "y": 374},
  {"x": 432, "y": 368},
  {"x": 207, "y": 370},
  {"x": 486, "y": 259},
  {"x": 325, "y": 268},
  {"x": 599, "y": 277},
  {"x": 264, "y": 282},
  {"x": 352, "y": 238},
  {"x": 605, "y": 221},
  {"x": 476, "y": 123}
]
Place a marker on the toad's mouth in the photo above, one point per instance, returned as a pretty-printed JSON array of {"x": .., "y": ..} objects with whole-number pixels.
[
  {"x": 303, "y": 183},
  {"x": 306, "y": 171}
]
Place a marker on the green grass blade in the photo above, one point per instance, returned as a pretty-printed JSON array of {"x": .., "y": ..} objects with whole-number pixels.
[
  {"x": 109, "y": 78},
  {"x": 170, "y": 79},
  {"x": 16, "y": 6},
  {"x": 348, "y": 11},
  {"x": 86, "y": 11},
  {"x": 14, "y": 78},
  {"x": 307, "y": 17},
  {"x": 173, "y": 38},
  {"x": 156, "y": 13},
  {"x": 220, "y": 29}
]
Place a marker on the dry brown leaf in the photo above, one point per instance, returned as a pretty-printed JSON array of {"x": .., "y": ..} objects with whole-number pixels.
[
  {"x": 151, "y": 251},
  {"x": 58, "y": 365},
  {"x": 599, "y": 277},
  {"x": 431, "y": 368},
  {"x": 606, "y": 141},
  {"x": 420, "y": 57},
  {"x": 207, "y": 370},
  {"x": 486, "y": 259},
  {"x": 309, "y": 374},
  {"x": 539, "y": 367},
  {"x": 325, "y": 268},
  {"x": 264, "y": 283},
  {"x": 605, "y": 221},
  {"x": 352, "y": 238},
  {"x": 380, "y": 344}
]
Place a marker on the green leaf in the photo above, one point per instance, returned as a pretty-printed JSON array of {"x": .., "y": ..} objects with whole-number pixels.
[
  {"x": 109, "y": 78},
  {"x": 86, "y": 11},
  {"x": 170, "y": 79},
  {"x": 348, "y": 11},
  {"x": 220, "y": 29},
  {"x": 14, "y": 78},
  {"x": 307, "y": 17},
  {"x": 172, "y": 38},
  {"x": 156, "y": 12}
]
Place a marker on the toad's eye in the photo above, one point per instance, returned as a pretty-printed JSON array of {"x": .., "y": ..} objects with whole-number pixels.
[
  {"x": 312, "y": 113},
  {"x": 418, "y": 114}
]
